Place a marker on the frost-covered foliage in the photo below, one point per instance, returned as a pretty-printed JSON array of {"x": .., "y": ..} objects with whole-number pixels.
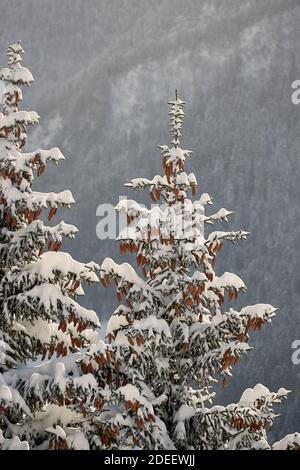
[
  {"x": 39, "y": 315},
  {"x": 175, "y": 334}
]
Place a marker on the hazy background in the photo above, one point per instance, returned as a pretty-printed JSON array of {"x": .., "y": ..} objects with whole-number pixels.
[{"x": 104, "y": 71}]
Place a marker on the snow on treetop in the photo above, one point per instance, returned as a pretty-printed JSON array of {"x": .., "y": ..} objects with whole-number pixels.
[
  {"x": 161, "y": 222},
  {"x": 35, "y": 200},
  {"x": 57, "y": 430},
  {"x": 59, "y": 375},
  {"x": 130, "y": 207},
  {"x": 79, "y": 291},
  {"x": 40, "y": 330},
  {"x": 234, "y": 347},
  {"x": 60, "y": 372},
  {"x": 231, "y": 236},
  {"x": 162, "y": 181},
  {"x": 282, "y": 392},
  {"x": 146, "y": 216},
  {"x": 176, "y": 153},
  {"x": 177, "y": 102},
  {"x": 205, "y": 199},
  {"x": 153, "y": 326},
  {"x": 97, "y": 347},
  {"x": 15, "y": 48},
  {"x": 77, "y": 441},
  {"x": 19, "y": 75},
  {"x": 5, "y": 350},
  {"x": 227, "y": 280},
  {"x": 250, "y": 396},
  {"x": 49, "y": 263},
  {"x": 115, "y": 323},
  {"x": 10, "y": 395},
  {"x": 211, "y": 297},
  {"x": 142, "y": 182},
  {"x": 198, "y": 277},
  {"x": 124, "y": 271},
  {"x": 221, "y": 215},
  {"x": 10, "y": 89},
  {"x": 51, "y": 415},
  {"x": 128, "y": 233},
  {"x": 152, "y": 323},
  {"x": 132, "y": 393},
  {"x": 8, "y": 151},
  {"x": 52, "y": 199},
  {"x": 290, "y": 441},
  {"x": 47, "y": 369},
  {"x": 12, "y": 444},
  {"x": 185, "y": 412},
  {"x": 19, "y": 117},
  {"x": 259, "y": 311},
  {"x": 49, "y": 296},
  {"x": 53, "y": 154},
  {"x": 5, "y": 393},
  {"x": 62, "y": 228},
  {"x": 35, "y": 226},
  {"x": 192, "y": 178},
  {"x": 41, "y": 155},
  {"x": 184, "y": 179}
]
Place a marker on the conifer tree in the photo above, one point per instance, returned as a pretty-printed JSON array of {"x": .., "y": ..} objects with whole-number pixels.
[
  {"x": 175, "y": 332},
  {"x": 39, "y": 315}
]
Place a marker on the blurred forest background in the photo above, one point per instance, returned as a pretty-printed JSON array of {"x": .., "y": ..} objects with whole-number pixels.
[{"x": 104, "y": 71}]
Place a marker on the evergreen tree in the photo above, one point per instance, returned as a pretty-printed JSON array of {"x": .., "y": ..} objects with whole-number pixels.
[
  {"x": 39, "y": 315},
  {"x": 175, "y": 336}
]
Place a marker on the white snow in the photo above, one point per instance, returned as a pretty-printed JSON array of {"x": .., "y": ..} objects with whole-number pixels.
[
  {"x": 49, "y": 263},
  {"x": 77, "y": 440},
  {"x": 10, "y": 396},
  {"x": 57, "y": 431},
  {"x": 124, "y": 270},
  {"x": 12, "y": 444},
  {"x": 49, "y": 296},
  {"x": 259, "y": 311},
  {"x": 115, "y": 323},
  {"x": 205, "y": 199},
  {"x": 251, "y": 395},
  {"x": 288, "y": 442},
  {"x": 132, "y": 393},
  {"x": 227, "y": 280},
  {"x": 198, "y": 277},
  {"x": 176, "y": 153},
  {"x": 185, "y": 412},
  {"x": 19, "y": 117},
  {"x": 5, "y": 393},
  {"x": 157, "y": 181},
  {"x": 220, "y": 216}
]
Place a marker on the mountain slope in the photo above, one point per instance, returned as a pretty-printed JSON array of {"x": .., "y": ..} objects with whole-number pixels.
[{"x": 104, "y": 71}]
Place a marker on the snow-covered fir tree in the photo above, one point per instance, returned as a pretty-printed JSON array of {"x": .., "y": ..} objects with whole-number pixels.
[
  {"x": 172, "y": 335},
  {"x": 39, "y": 315},
  {"x": 150, "y": 385}
]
